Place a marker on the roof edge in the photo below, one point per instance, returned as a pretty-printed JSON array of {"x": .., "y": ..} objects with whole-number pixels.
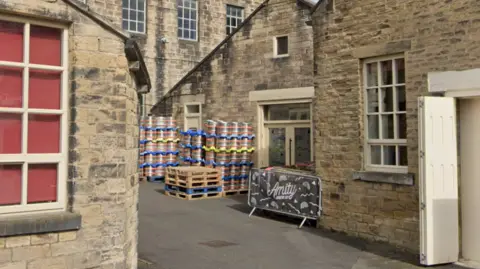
[
  {"x": 132, "y": 51},
  {"x": 212, "y": 52}
]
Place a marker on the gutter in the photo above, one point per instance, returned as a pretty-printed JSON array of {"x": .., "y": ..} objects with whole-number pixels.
[
  {"x": 206, "y": 58},
  {"x": 132, "y": 50}
]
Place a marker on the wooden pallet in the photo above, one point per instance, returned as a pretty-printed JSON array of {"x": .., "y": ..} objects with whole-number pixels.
[
  {"x": 190, "y": 197},
  {"x": 193, "y": 184},
  {"x": 192, "y": 173},
  {"x": 234, "y": 192}
]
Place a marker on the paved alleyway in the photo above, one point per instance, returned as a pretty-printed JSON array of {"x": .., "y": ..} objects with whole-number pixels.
[{"x": 217, "y": 234}]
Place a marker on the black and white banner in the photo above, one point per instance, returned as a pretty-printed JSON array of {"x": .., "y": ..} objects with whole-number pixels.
[{"x": 286, "y": 192}]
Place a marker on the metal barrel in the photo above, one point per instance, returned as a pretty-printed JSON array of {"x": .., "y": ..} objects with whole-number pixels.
[
  {"x": 141, "y": 147},
  {"x": 160, "y": 122},
  {"x": 222, "y": 157},
  {"x": 210, "y": 127},
  {"x": 160, "y": 158},
  {"x": 185, "y": 163},
  {"x": 224, "y": 171},
  {"x": 209, "y": 156},
  {"x": 170, "y": 158},
  {"x": 245, "y": 128},
  {"x": 235, "y": 157},
  {"x": 171, "y": 146},
  {"x": 233, "y": 143},
  {"x": 159, "y": 171},
  {"x": 210, "y": 142},
  {"x": 149, "y": 158},
  {"x": 197, "y": 154},
  {"x": 143, "y": 133},
  {"x": 170, "y": 134},
  {"x": 186, "y": 139},
  {"x": 147, "y": 121},
  {"x": 222, "y": 128},
  {"x": 246, "y": 143},
  {"x": 170, "y": 122},
  {"x": 221, "y": 143},
  {"x": 148, "y": 171},
  {"x": 233, "y": 128},
  {"x": 244, "y": 170},
  {"x": 150, "y": 134},
  {"x": 150, "y": 146},
  {"x": 236, "y": 184},
  {"x": 235, "y": 171},
  {"x": 244, "y": 184},
  {"x": 245, "y": 156},
  {"x": 186, "y": 153},
  {"x": 197, "y": 141}
]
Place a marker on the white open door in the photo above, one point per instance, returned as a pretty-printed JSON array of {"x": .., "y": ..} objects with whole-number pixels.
[{"x": 439, "y": 236}]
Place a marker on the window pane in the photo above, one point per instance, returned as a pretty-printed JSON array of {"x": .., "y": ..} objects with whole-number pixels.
[
  {"x": 179, "y": 32},
  {"x": 186, "y": 24},
  {"x": 141, "y": 5},
  {"x": 10, "y": 133},
  {"x": 193, "y": 25},
  {"x": 372, "y": 74},
  {"x": 125, "y": 25},
  {"x": 187, "y": 15},
  {"x": 402, "y": 155},
  {"x": 125, "y": 14},
  {"x": 228, "y": 10},
  {"x": 132, "y": 26},
  {"x": 387, "y": 99},
  {"x": 45, "y": 45},
  {"x": 387, "y": 127},
  {"x": 11, "y": 41},
  {"x": 43, "y": 133},
  {"x": 228, "y": 21},
  {"x": 286, "y": 111},
  {"x": 141, "y": 16},
  {"x": 389, "y": 155},
  {"x": 133, "y": 15},
  {"x": 44, "y": 91},
  {"x": 372, "y": 100},
  {"x": 376, "y": 154},
  {"x": 193, "y": 35},
  {"x": 401, "y": 102},
  {"x": 125, "y": 3},
  {"x": 141, "y": 27},
  {"x": 276, "y": 148},
  {"x": 402, "y": 126},
  {"x": 133, "y": 4},
  {"x": 186, "y": 34},
  {"x": 373, "y": 127},
  {"x": 11, "y": 184},
  {"x": 387, "y": 74},
  {"x": 282, "y": 45},
  {"x": 193, "y": 4},
  {"x": 11, "y": 87},
  {"x": 194, "y": 15},
  {"x": 400, "y": 70},
  {"x": 42, "y": 183},
  {"x": 302, "y": 145}
]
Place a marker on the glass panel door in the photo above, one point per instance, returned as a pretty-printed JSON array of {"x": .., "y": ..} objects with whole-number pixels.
[
  {"x": 277, "y": 146},
  {"x": 302, "y": 146}
]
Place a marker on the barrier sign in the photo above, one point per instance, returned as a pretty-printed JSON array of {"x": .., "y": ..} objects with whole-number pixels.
[{"x": 285, "y": 191}]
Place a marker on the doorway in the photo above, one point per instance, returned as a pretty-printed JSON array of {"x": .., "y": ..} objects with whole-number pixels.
[{"x": 470, "y": 178}]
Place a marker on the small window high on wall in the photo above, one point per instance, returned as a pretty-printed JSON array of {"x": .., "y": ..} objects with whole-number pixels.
[
  {"x": 234, "y": 18},
  {"x": 187, "y": 19},
  {"x": 280, "y": 46},
  {"x": 33, "y": 116},
  {"x": 193, "y": 116}
]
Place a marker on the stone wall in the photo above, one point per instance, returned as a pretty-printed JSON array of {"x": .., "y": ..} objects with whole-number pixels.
[
  {"x": 102, "y": 172},
  {"x": 435, "y": 36},
  {"x": 246, "y": 63}
]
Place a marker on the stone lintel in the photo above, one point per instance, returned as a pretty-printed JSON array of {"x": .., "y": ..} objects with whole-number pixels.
[{"x": 382, "y": 49}]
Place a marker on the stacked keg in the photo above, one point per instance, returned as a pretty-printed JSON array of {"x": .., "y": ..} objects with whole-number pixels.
[
  {"x": 245, "y": 146},
  {"x": 222, "y": 156},
  {"x": 192, "y": 148},
  {"x": 158, "y": 146},
  {"x": 210, "y": 133}
]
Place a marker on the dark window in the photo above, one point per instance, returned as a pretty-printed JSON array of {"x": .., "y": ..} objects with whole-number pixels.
[{"x": 282, "y": 45}]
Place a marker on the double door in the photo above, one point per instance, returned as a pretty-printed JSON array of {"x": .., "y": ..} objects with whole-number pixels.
[{"x": 289, "y": 144}]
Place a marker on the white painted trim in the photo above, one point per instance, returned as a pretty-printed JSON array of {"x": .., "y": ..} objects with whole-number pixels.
[
  {"x": 24, "y": 158},
  {"x": 288, "y": 94},
  {"x": 275, "y": 47},
  {"x": 187, "y": 115},
  {"x": 454, "y": 81}
]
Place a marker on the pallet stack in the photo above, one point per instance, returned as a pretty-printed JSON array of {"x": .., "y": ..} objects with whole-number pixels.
[
  {"x": 158, "y": 147},
  {"x": 193, "y": 183}
]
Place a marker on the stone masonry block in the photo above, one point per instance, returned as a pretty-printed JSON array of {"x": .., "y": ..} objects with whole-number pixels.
[
  {"x": 14, "y": 265},
  {"x": 50, "y": 263},
  {"x": 17, "y": 241},
  {"x": 2, "y": 242},
  {"x": 5, "y": 255},
  {"x": 30, "y": 253},
  {"x": 44, "y": 239}
]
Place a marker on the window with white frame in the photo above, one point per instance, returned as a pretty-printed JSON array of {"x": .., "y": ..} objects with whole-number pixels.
[
  {"x": 280, "y": 46},
  {"x": 187, "y": 19},
  {"x": 385, "y": 110},
  {"x": 33, "y": 116},
  {"x": 234, "y": 18},
  {"x": 193, "y": 116},
  {"x": 133, "y": 15}
]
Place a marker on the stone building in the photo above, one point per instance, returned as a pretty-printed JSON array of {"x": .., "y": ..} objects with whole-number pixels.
[
  {"x": 174, "y": 35},
  {"x": 70, "y": 84},
  {"x": 248, "y": 77},
  {"x": 394, "y": 89}
]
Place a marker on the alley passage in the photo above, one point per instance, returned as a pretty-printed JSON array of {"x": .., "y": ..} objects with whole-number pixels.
[{"x": 217, "y": 234}]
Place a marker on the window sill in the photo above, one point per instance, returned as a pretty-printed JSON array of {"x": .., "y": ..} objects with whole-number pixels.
[
  {"x": 281, "y": 56},
  {"x": 42, "y": 223},
  {"x": 383, "y": 177}
]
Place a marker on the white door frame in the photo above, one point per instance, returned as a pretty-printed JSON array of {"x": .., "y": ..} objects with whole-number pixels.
[{"x": 457, "y": 84}]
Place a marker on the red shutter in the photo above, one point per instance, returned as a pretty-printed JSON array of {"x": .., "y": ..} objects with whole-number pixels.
[
  {"x": 45, "y": 45},
  {"x": 42, "y": 183},
  {"x": 43, "y": 133},
  {"x": 10, "y": 184},
  {"x": 11, "y": 41}
]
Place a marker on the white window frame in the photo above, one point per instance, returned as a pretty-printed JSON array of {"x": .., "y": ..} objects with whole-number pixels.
[
  {"x": 183, "y": 8},
  {"x": 24, "y": 158},
  {"x": 275, "y": 47},
  {"x": 230, "y": 27},
  {"x": 136, "y": 21},
  {"x": 187, "y": 115},
  {"x": 368, "y": 166}
]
